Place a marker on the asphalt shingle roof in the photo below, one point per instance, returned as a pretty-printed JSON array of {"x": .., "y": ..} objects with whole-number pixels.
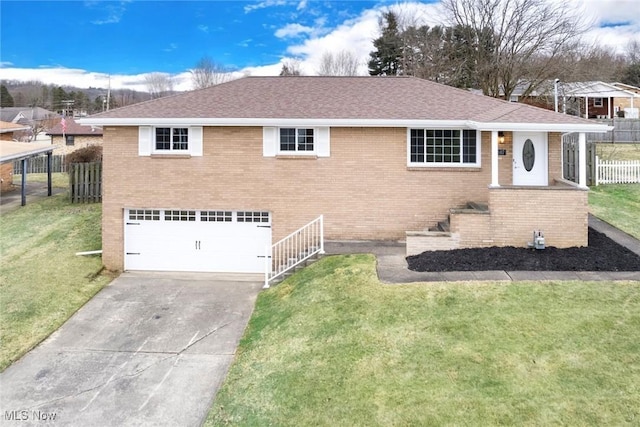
[
  {"x": 357, "y": 98},
  {"x": 74, "y": 128}
]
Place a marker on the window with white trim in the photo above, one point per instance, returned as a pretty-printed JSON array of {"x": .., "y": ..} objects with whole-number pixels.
[
  {"x": 444, "y": 147},
  {"x": 296, "y": 140},
  {"x": 597, "y": 102},
  {"x": 171, "y": 140}
]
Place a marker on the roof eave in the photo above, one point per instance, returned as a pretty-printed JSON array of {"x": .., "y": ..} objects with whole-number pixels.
[
  {"x": 546, "y": 127},
  {"x": 279, "y": 122}
]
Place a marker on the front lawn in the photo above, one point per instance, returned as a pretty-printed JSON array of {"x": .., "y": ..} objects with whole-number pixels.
[
  {"x": 607, "y": 151},
  {"x": 331, "y": 346},
  {"x": 42, "y": 281},
  {"x": 617, "y": 204},
  {"x": 58, "y": 179}
]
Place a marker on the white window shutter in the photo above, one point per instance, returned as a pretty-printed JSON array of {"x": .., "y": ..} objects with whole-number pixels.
[
  {"x": 195, "y": 140},
  {"x": 323, "y": 136},
  {"x": 269, "y": 141},
  {"x": 144, "y": 140}
]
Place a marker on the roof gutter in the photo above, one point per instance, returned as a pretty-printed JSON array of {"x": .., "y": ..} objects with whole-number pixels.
[{"x": 453, "y": 124}]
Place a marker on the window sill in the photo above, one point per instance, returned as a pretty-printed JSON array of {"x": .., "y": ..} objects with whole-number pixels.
[
  {"x": 297, "y": 156},
  {"x": 170, "y": 156},
  {"x": 442, "y": 168}
]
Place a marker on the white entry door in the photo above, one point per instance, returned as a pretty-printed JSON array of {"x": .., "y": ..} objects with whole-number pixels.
[
  {"x": 530, "y": 158},
  {"x": 192, "y": 240}
]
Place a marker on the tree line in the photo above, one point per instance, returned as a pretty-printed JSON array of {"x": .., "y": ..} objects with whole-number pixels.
[
  {"x": 64, "y": 99},
  {"x": 498, "y": 46}
]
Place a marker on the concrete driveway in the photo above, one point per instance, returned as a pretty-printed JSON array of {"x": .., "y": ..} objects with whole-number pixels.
[{"x": 149, "y": 349}]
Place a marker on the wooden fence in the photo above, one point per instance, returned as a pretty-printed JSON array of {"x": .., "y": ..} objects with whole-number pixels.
[
  {"x": 625, "y": 131},
  {"x": 570, "y": 159},
  {"x": 85, "y": 182},
  {"x": 39, "y": 165},
  {"x": 617, "y": 171}
]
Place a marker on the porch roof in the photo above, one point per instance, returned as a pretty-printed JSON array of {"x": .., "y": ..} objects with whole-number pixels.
[{"x": 596, "y": 90}]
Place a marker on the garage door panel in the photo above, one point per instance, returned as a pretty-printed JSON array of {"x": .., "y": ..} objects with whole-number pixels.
[{"x": 197, "y": 245}]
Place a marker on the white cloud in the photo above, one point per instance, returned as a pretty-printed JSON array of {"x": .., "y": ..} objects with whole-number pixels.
[
  {"x": 171, "y": 48},
  {"x": 615, "y": 22},
  {"x": 203, "y": 28},
  {"x": 302, "y": 5},
  {"x": 292, "y": 30},
  {"x": 85, "y": 79},
  {"x": 264, "y": 4},
  {"x": 355, "y": 35},
  {"x": 114, "y": 11}
]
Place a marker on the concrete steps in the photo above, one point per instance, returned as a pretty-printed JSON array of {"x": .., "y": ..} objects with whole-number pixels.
[{"x": 440, "y": 236}]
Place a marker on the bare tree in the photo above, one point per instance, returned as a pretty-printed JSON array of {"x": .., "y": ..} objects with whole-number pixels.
[
  {"x": 209, "y": 73},
  {"x": 291, "y": 68},
  {"x": 343, "y": 63},
  {"x": 510, "y": 34},
  {"x": 159, "y": 84}
]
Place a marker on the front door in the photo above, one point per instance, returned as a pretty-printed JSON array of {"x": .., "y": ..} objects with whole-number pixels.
[{"x": 530, "y": 153}]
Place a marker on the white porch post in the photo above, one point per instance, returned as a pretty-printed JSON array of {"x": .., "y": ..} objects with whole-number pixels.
[
  {"x": 582, "y": 160},
  {"x": 609, "y": 101},
  {"x": 494, "y": 159},
  {"x": 586, "y": 107}
]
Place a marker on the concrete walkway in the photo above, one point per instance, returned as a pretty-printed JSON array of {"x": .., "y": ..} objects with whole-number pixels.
[{"x": 392, "y": 266}]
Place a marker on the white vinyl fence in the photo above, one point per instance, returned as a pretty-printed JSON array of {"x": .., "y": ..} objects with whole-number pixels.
[{"x": 617, "y": 171}]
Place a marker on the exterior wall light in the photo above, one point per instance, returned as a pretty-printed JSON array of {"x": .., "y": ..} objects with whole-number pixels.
[{"x": 501, "y": 137}]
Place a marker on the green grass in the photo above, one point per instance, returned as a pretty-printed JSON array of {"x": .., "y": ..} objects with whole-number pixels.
[
  {"x": 42, "y": 282},
  {"x": 618, "y": 151},
  {"x": 58, "y": 180},
  {"x": 331, "y": 346},
  {"x": 617, "y": 204}
]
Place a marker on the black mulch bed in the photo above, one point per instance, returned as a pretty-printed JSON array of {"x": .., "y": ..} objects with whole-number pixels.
[{"x": 602, "y": 254}]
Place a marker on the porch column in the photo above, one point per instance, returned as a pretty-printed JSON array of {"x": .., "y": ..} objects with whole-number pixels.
[
  {"x": 23, "y": 191},
  {"x": 49, "y": 173},
  {"x": 586, "y": 107},
  {"x": 494, "y": 159},
  {"x": 609, "y": 101},
  {"x": 582, "y": 160}
]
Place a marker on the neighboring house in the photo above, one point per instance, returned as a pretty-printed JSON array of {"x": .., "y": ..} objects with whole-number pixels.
[
  {"x": 596, "y": 100},
  {"x": 37, "y": 118},
  {"x": 624, "y": 103},
  {"x": 205, "y": 180},
  {"x": 73, "y": 136},
  {"x": 7, "y": 132}
]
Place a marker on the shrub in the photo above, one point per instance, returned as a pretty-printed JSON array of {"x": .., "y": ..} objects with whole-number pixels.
[{"x": 92, "y": 153}]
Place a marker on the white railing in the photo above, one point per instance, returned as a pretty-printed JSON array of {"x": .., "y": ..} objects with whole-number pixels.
[
  {"x": 293, "y": 250},
  {"x": 617, "y": 171}
]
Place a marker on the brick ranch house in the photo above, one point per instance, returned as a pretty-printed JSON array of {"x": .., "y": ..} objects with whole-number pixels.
[
  {"x": 74, "y": 136},
  {"x": 203, "y": 180}
]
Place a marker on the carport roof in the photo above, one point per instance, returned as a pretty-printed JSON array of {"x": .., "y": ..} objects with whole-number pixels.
[
  {"x": 10, "y": 151},
  {"x": 338, "y": 101}
]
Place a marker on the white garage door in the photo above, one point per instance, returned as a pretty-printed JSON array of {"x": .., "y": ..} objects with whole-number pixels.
[{"x": 191, "y": 240}]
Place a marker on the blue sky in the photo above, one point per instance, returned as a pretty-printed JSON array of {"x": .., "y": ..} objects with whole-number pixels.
[
  {"x": 144, "y": 36},
  {"x": 83, "y": 42}
]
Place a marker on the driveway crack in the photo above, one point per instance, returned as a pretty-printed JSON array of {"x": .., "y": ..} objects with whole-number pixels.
[{"x": 136, "y": 373}]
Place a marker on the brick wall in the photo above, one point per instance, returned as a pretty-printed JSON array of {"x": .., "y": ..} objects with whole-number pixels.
[
  {"x": 560, "y": 212},
  {"x": 80, "y": 141},
  {"x": 364, "y": 190},
  {"x": 6, "y": 176}
]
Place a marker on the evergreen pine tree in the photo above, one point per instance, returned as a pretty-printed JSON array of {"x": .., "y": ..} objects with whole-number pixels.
[
  {"x": 6, "y": 100},
  {"x": 387, "y": 58}
]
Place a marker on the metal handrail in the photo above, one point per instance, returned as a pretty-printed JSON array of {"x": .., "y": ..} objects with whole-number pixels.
[{"x": 294, "y": 249}]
